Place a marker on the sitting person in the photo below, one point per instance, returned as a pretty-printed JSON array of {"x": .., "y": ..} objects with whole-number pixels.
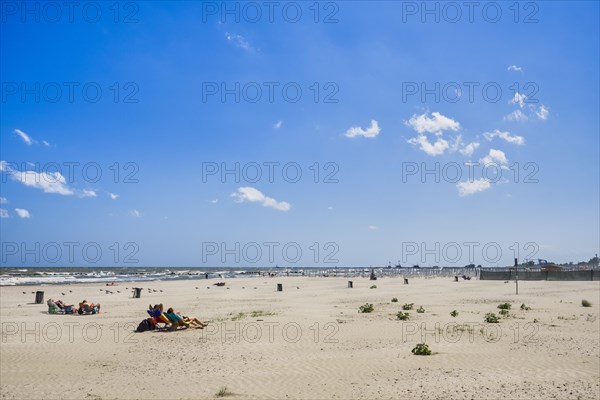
[
  {"x": 57, "y": 306},
  {"x": 157, "y": 314},
  {"x": 86, "y": 308},
  {"x": 66, "y": 308},
  {"x": 178, "y": 320},
  {"x": 53, "y": 308},
  {"x": 175, "y": 319}
]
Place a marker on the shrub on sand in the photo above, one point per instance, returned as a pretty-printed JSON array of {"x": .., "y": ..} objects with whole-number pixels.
[
  {"x": 421, "y": 350},
  {"x": 366, "y": 308},
  {"x": 223, "y": 392},
  {"x": 491, "y": 318},
  {"x": 586, "y": 303},
  {"x": 403, "y": 316}
]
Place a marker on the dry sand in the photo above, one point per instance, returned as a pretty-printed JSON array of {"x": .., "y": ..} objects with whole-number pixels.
[{"x": 314, "y": 344}]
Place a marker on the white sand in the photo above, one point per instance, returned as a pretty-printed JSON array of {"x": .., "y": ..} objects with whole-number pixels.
[{"x": 338, "y": 354}]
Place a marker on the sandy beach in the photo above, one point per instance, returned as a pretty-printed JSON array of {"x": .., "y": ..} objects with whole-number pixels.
[{"x": 308, "y": 341}]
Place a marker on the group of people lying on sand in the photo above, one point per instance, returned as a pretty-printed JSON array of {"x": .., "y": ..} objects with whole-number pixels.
[
  {"x": 85, "y": 308},
  {"x": 172, "y": 320}
]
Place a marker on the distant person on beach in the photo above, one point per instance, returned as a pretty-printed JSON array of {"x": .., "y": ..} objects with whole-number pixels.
[{"x": 87, "y": 308}]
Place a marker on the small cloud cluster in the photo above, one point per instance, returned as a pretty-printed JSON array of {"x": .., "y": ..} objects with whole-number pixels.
[
  {"x": 48, "y": 182},
  {"x": 28, "y": 140},
  {"x": 252, "y": 195},
  {"x": 506, "y": 136},
  {"x": 239, "y": 41},
  {"x": 436, "y": 125},
  {"x": 370, "y": 132}
]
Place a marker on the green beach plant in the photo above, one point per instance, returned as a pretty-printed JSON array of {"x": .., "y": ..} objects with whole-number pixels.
[
  {"x": 403, "y": 316},
  {"x": 261, "y": 313},
  {"x": 420, "y": 310},
  {"x": 525, "y": 308},
  {"x": 373, "y": 287},
  {"x": 586, "y": 303},
  {"x": 504, "y": 306},
  {"x": 366, "y": 308},
  {"x": 223, "y": 392},
  {"x": 491, "y": 318},
  {"x": 394, "y": 299},
  {"x": 503, "y": 312},
  {"x": 454, "y": 313},
  {"x": 408, "y": 306},
  {"x": 421, "y": 349}
]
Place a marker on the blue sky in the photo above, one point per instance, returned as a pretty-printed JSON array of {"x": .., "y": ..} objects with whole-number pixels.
[{"x": 386, "y": 92}]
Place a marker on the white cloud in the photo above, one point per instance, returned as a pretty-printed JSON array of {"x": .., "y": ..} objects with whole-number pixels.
[
  {"x": 515, "y": 68},
  {"x": 49, "y": 182},
  {"x": 26, "y": 138},
  {"x": 251, "y": 194},
  {"x": 469, "y": 149},
  {"x": 543, "y": 112},
  {"x": 432, "y": 149},
  {"x": 52, "y": 182},
  {"x": 214, "y": 201},
  {"x": 436, "y": 124},
  {"x": 135, "y": 213},
  {"x": 238, "y": 40},
  {"x": 372, "y": 227},
  {"x": 516, "y": 115},
  {"x": 495, "y": 157},
  {"x": 330, "y": 208},
  {"x": 278, "y": 124},
  {"x": 87, "y": 193},
  {"x": 468, "y": 188},
  {"x": 3, "y": 200},
  {"x": 518, "y": 140},
  {"x": 3, "y": 213},
  {"x": 21, "y": 212},
  {"x": 113, "y": 196},
  {"x": 370, "y": 132},
  {"x": 519, "y": 99}
]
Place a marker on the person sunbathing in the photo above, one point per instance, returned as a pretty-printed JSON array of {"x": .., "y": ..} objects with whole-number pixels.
[
  {"x": 57, "y": 306},
  {"x": 157, "y": 314},
  {"x": 179, "y": 320},
  {"x": 88, "y": 308}
]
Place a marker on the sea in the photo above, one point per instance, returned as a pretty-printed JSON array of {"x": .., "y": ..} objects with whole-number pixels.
[{"x": 17, "y": 276}]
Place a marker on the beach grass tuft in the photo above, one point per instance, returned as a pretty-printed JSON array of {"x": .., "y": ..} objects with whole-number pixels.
[
  {"x": 454, "y": 313},
  {"x": 366, "y": 308},
  {"x": 491, "y": 318},
  {"x": 394, "y": 299},
  {"x": 261, "y": 313},
  {"x": 373, "y": 287},
  {"x": 420, "y": 310},
  {"x": 403, "y": 316},
  {"x": 408, "y": 306},
  {"x": 224, "y": 392},
  {"x": 421, "y": 349},
  {"x": 586, "y": 303},
  {"x": 504, "y": 306}
]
